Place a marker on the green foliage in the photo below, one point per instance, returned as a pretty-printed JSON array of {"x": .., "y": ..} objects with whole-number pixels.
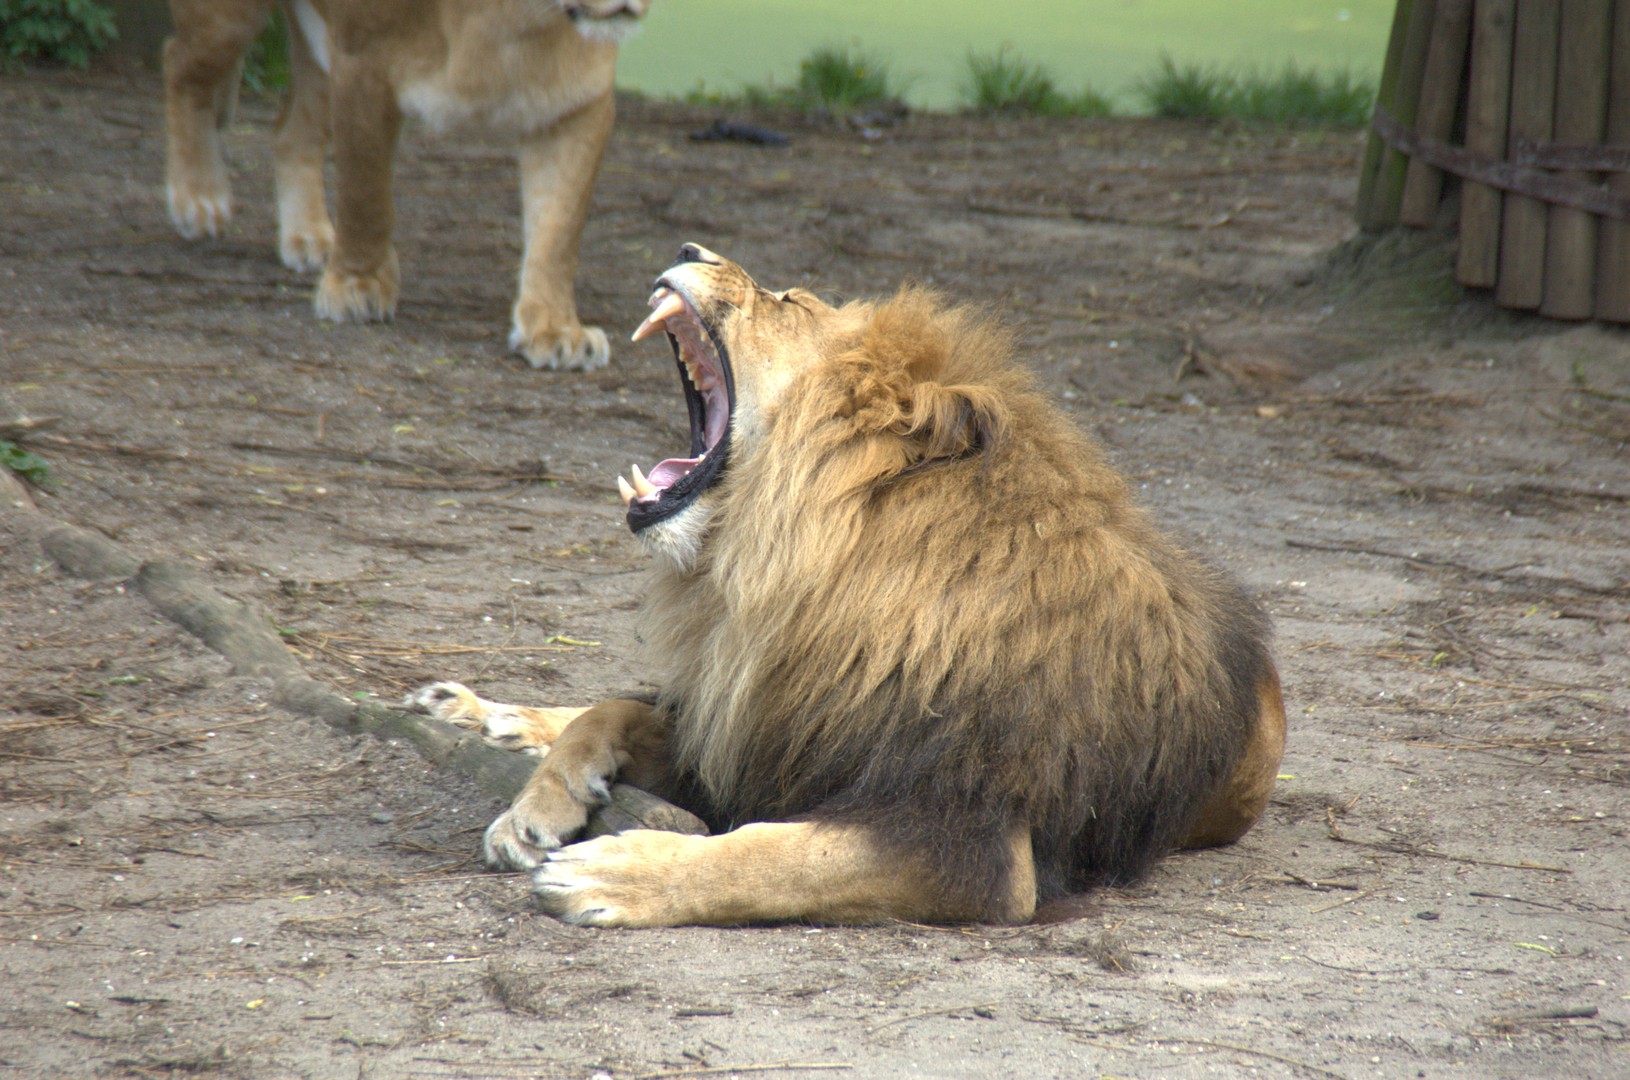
[
  {"x": 266, "y": 64},
  {"x": 26, "y": 465},
  {"x": 840, "y": 79},
  {"x": 1296, "y": 95},
  {"x": 1291, "y": 95},
  {"x": 833, "y": 79},
  {"x": 66, "y": 31},
  {"x": 1190, "y": 92},
  {"x": 1003, "y": 82}
]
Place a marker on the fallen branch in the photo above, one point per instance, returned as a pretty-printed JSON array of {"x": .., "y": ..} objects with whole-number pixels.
[{"x": 252, "y": 646}]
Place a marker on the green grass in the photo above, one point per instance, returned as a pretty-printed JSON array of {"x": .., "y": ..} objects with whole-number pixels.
[
  {"x": 26, "y": 465},
  {"x": 1004, "y": 82},
  {"x": 837, "y": 80},
  {"x": 1291, "y": 95},
  {"x": 834, "y": 79},
  {"x": 842, "y": 78},
  {"x": 1296, "y": 95},
  {"x": 266, "y": 64}
]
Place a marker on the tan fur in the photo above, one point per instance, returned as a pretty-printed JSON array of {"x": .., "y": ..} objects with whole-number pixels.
[
  {"x": 512, "y": 727},
  {"x": 920, "y": 633},
  {"x": 520, "y": 67}
]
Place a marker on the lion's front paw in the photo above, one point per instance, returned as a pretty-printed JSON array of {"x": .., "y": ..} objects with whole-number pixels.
[
  {"x": 199, "y": 210},
  {"x": 448, "y": 701},
  {"x": 346, "y": 297},
  {"x": 543, "y": 817},
  {"x": 631, "y": 879},
  {"x": 548, "y": 344}
]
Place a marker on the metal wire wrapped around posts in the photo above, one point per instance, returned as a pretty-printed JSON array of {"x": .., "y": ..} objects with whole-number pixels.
[{"x": 1527, "y": 103}]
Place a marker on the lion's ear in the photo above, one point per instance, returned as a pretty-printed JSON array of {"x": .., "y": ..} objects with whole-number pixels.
[{"x": 950, "y": 421}]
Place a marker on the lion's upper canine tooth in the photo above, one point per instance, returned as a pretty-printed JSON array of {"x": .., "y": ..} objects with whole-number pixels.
[
  {"x": 642, "y": 486},
  {"x": 625, "y": 491},
  {"x": 665, "y": 304}
]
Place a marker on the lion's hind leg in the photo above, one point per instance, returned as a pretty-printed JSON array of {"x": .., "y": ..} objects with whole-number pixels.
[
  {"x": 1230, "y": 813},
  {"x": 511, "y": 727}
]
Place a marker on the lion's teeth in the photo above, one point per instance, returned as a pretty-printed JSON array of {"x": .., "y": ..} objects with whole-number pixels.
[
  {"x": 642, "y": 486},
  {"x": 665, "y": 305},
  {"x": 692, "y": 372},
  {"x": 625, "y": 491}
]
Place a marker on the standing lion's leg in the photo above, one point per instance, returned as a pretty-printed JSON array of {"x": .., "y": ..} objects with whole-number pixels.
[
  {"x": 362, "y": 281},
  {"x": 305, "y": 235},
  {"x": 558, "y": 167},
  {"x": 616, "y": 739},
  {"x": 201, "y": 69},
  {"x": 771, "y": 872},
  {"x": 1241, "y": 801}
]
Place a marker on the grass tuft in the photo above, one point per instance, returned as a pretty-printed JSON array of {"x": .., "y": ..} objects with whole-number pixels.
[
  {"x": 1187, "y": 92},
  {"x": 833, "y": 79},
  {"x": 1296, "y": 95},
  {"x": 842, "y": 78},
  {"x": 1004, "y": 82},
  {"x": 1291, "y": 95}
]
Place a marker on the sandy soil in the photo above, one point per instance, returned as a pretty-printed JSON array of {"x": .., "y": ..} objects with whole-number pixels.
[{"x": 1429, "y": 496}]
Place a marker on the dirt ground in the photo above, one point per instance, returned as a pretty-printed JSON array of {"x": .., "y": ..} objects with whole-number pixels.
[{"x": 1430, "y": 497}]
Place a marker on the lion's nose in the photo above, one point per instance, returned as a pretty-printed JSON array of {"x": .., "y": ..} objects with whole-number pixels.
[{"x": 697, "y": 253}]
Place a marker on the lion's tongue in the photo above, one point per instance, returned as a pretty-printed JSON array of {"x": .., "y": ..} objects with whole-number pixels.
[{"x": 667, "y": 473}]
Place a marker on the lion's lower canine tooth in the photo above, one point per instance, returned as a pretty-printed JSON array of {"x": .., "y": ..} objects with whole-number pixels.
[
  {"x": 641, "y": 485},
  {"x": 625, "y": 491}
]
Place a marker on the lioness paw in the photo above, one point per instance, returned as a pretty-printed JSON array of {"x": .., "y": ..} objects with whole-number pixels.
[
  {"x": 573, "y": 348},
  {"x": 630, "y": 879},
  {"x": 199, "y": 213},
  {"x": 306, "y": 249},
  {"x": 345, "y": 297}
]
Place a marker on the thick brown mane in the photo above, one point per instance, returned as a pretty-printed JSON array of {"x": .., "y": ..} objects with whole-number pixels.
[{"x": 927, "y": 604}]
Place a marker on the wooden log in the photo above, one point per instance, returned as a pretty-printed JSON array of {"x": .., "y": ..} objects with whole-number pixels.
[
  {"x": 1488, "y": 107},
  {"x": 1584, "y": 45},
  {"x": 1406, "y": 98},
  {"x": 1613, "y": 258},
  {"x": 1533, "y": 99},
  {"x": 1439, "y": 102},
  {"x": 251, "y": 645},
  {"x": 1374, "y": 150}
]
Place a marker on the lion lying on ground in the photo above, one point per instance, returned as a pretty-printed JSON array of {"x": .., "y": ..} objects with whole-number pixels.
[
  {"x": 917, "y": 650},
  {"x": 540, "y": 70}
]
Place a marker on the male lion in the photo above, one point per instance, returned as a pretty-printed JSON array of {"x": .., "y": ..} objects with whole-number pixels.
[
  {"x": 540, "y": 70},
  {"x": 918, "y": 652}
]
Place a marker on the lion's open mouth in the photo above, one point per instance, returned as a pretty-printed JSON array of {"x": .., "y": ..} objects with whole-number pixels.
[{"x": 704, "y": 373}]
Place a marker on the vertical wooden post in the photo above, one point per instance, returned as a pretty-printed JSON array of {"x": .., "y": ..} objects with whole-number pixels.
[
  {"x": 1439, "y": 101},
  {"x": 1613, "y": 261},
  {"x": 1581, "y": 115},
  {"x": 1374, "y": 151},
  {"x": 1533, "y": 98},
  {"x": 1488, "y": 102}
]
